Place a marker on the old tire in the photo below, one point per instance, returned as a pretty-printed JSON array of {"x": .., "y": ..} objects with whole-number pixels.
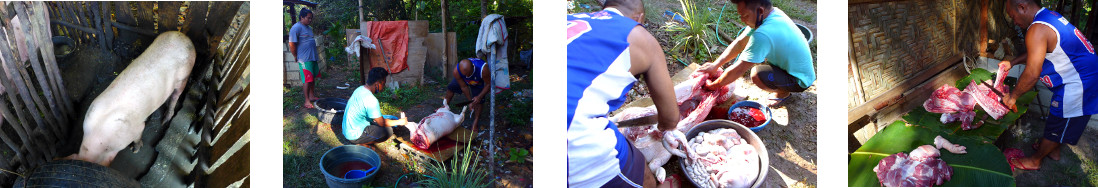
[{"x": 74, "y": 173}]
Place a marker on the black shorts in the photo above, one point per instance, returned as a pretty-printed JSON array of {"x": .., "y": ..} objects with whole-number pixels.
[
  {"x": 1065, "y": 130},
  {"x": 373, "y": 134},
  {"x": 456, "y": 88},
  {"x": 632, "y": 170},
  {"x": 776, "y": 78}
]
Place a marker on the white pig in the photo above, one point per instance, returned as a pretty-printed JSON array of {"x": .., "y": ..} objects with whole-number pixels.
[{"x": 117, "y": 116}]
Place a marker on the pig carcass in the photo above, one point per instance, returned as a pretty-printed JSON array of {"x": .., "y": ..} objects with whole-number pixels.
[
  {"x": 920, "y": 169},
  {"x": 695, "y": 101},
  {"x": 435, "y": 126},
  {"x": 117, "y": 116},
  {"x": 648, "y": 140}
]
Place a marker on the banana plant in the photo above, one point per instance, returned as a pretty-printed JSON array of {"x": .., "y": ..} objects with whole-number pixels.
[{"x": 983, "y": 165}]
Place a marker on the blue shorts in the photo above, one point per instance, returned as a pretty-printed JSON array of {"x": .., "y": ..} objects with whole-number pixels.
[
  {"x": 456, "y": 88},
  {"x": 776, "y": 78},
  {"x": 632, "y": 170},
  {"x": 1065, "y": 130}
]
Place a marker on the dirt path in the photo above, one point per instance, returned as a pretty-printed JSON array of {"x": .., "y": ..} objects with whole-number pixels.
[{"x": 1078, "y": 164}]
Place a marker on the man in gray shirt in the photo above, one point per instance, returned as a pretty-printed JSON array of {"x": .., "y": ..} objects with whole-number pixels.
[{"x": 303, "y": 47}]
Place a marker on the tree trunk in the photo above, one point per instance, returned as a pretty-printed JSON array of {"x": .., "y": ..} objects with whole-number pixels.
[
  {"x": 483, "y": 8},
  {"x": 445, "y": 17}
]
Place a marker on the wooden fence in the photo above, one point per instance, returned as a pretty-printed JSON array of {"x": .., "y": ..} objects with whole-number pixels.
[{"x": 37, "y": 112}]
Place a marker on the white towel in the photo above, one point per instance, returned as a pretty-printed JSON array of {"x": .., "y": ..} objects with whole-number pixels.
[
  {"x": 491, "y": 46},
  {"x": 361, "y": 40}
]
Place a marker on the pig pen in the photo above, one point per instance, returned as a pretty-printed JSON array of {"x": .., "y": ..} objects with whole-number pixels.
[{"x": 206, "y": 143}]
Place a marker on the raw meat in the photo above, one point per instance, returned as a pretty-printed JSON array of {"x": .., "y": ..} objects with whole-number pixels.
[
  {"x": 955, "y": 105},
  {"x": 921, "y": 169},
  {"x": 435, "y": 126},
  {"x": 945, "y": 99},
  {"x": 722, "y": 159},
  {"x": 987, "y": 99},
  {"x": 695, "y": 101},
  {"x": 940, "y": 143},
  {"x": 748, "y": 116},
  {"x": 648, "y": 139}
]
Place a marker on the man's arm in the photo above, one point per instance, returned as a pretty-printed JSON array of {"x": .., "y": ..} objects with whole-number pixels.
[
  {"x": 293, "y": 50},
  {"x": 730, "y": 76},
  {"x": 461, "y": 83},
  {"x": 729, "y": 53},
  {"x": 487, "y": 77},
  {"x": 293, "y": 42},
  {"x": 647, "y": 58},
  {"x": 392, "y": 122},
  {"x": 1036, "y": 46}
]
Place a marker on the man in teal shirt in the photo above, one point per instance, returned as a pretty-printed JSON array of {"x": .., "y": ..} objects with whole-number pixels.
[
  {"x": 774, "y": 39},
  {"x": 362, "y": 121}
]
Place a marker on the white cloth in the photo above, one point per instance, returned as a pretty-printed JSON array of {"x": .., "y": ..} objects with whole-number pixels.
[
  {"x": 492, "y": 48},
  {"x": 361, "y": 40}
]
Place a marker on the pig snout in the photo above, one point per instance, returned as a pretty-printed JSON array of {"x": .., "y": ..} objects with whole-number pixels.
[{"x": 117, "y": 116}]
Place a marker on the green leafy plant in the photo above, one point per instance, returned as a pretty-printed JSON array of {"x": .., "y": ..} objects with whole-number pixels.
[
  {"x": 463, "y": 171},
  {"x": 695, "y": 37},
  {"x": 983, "y": 165},
  {"x": 518, "y": 155}
]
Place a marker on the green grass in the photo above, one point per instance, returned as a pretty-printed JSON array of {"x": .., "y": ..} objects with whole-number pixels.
[
  {"x": 790, "y": 8},
  {"x": 1091, "y": 169},
  {"x": 393, "y": 100},
  {"x": 291, "y": 97}
]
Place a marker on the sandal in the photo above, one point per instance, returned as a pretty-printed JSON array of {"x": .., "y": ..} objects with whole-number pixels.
[
  {"x": 778, "y": 102},
  {"x": 1014, "y": 163},
  {"x": 1012, "y": 156}
]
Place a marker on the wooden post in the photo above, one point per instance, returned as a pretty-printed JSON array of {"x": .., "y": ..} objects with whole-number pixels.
[
  {"x": 483, "y": 8},
  {"x": 445, "y": 60}
]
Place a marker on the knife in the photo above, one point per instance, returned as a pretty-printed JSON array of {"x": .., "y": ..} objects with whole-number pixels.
[
  {"x": 640, "y": 121},
  {"x": 996, "y": 92}
]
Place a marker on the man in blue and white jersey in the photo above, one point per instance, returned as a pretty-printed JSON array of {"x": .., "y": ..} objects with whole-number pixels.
[
  {"x": 1063, "y": 60},
  {"x": 607, "y": 51}
]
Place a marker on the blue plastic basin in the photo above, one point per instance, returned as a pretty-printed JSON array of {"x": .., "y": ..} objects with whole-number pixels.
[
  {"x": 339, "y": 171},
  {"x": 765, "y": 110}
]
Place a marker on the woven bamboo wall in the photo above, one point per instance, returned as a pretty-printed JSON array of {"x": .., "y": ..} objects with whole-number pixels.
[{"x": 892, "y": 41}]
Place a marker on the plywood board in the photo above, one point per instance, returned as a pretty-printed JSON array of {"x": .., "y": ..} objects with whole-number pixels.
[
  {"x": 451, "y": 52},
  {"x": 436, "y": 51}
]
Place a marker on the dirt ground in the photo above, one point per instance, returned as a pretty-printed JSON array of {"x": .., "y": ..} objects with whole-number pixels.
[
  {"x": 1078, "y": 164},
  {"x": 791, "y": 144},
  {"x": 306, "y": 138}
]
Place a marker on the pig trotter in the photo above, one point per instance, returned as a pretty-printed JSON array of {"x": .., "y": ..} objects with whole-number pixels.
[{"x": 137, "y": 145}]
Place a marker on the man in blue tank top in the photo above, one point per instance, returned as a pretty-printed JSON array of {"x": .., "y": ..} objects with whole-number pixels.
[
  {"x": 1063, "y": 60},
  {"x": 471, "y": 80},
  {"x": 607, "y": 51}
]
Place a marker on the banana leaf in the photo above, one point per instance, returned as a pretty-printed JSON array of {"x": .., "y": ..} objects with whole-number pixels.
[{"x": 983, "y": 165}]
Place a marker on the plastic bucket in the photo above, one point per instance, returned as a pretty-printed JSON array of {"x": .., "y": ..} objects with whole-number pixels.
[
  {"x": 765, "y": 111},
  {"x": 751, "y": 137},
  {"x": 342, "y": 161},
  {"x": 330, "y": 110}
]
